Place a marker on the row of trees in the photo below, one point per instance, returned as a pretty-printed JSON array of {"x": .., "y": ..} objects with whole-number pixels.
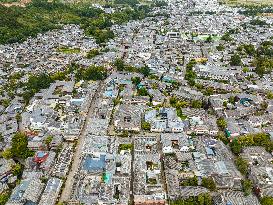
[
  {"x": 206, "y": 182},
  {"x": 254, "y": 10},
  {"x": 175, "y": 102},
  {"x": 42, "y": 81},
  {"x": 120, "y": 65},
  {"x": 260, "y": 139},
  {"x": 190, "y": 75}
]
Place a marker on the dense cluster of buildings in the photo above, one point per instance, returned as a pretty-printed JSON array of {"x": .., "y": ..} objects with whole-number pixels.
[{"x": 116, "y": 141}]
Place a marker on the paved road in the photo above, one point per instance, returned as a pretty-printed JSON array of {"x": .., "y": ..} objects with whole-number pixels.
[{"x": 66, "y": 193}]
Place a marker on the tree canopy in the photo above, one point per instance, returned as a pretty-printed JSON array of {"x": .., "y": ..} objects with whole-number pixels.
[
  {"x": 19, "y": 148},
  {"x": 39, "y": 16}
]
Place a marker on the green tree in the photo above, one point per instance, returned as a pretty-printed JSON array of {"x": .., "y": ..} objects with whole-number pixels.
[
  {"x": 232, "y": 99},
  {"x": 264, "y": 105},
  {"x": 125, "y": 134},
  {"x": 192, "y": 181},
  {"x": 221, "y": 136},
  {"x": 145, "y": 70},
  {"x": 208, "y": 183},
  {"x": 92, "y": 53},
  {"x": 221, "y": 123},
  {"x": 267, "y": 200},
  {"x": 220, "y": 47},
  {"x": 6, "y": 154},
  {"x": 48, "y": 141},
  {"x": 209, "y": 39},
  {"x": 245, "y": 69},
  {"x": 190, "y": 75},
  {"x": 17, "y": 169},
  {"x": 247, "y": 186},
  {"x": 18, "y": 117},
  {"x": 242, "y": 165},
  {"x": 19, "y": 147},
  {"x": 1, "y": 137},
  {"x": 235, "y": 60},
  {"x": 226, "y": 37},
  {"x": 145, "y": 125},
  {"x": 119, "y": 64},
  {"x": 236, "y": 146},
  {"x": 4, "y": 197},
  {"x": 196, "y": 104},
  {"x": 142, "y": 92},
  {"x": 136, "y": 80},
  {"x": 209, "y": 91},
  {"x": 95, "y": 73},
  {"x": 269, "y": 95},
  {"x": 35, "y": 84}
]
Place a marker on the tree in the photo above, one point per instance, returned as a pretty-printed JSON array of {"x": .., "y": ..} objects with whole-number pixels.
[
  {"x": 145, "y": 125},
  {"x": 17, "y": 169},
  {"x": 4, "y": 197},
  {"x": 232, "y": 99},
  {"x": 190, "y": 75},
  {"x": 245, "y": 69},
  {"x": 221, "y": 123},
  {"x": 35, "y": 84},
  {"x": 235, "y": 60},
  {"x": 209, "y": 91},
  {"x": 48, "y": 141},
  {"x": 92, "y": 53},
  {"x": 119, "y": 64},
  {"x": 226, "y": 37},
  {"x": 236, "y": 147},
  {"x": 220, "y": 47},
  {"x": 209, "y": 39},
  {"x": 95, "y": 73},
  {"x": 142, "y": 92},
  {"x": 125, "y": 134},
  {"x": 19, "y": 147},
  {"x": 249, "y": 49},
  {"x": 208, "y": 183},
  {"x": 6, "y": 154},
  {"x": 264, "y": 105},
  {"x": 221, "y": 136},
  {"x": 145, "y": 70},
  {"x": 267, "y": 200},
  {"x": 269, "y": 95},
  {"x": 136, "y": 80},
  {"x": 196, "y": 104},
  {"x": 180, "y": 114},
  {"x": 193, "y": 181},
  {"x": 247, "y": 186},
  {"x": 18, "y": 117},
  {"x": 242, "y": 165}
]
